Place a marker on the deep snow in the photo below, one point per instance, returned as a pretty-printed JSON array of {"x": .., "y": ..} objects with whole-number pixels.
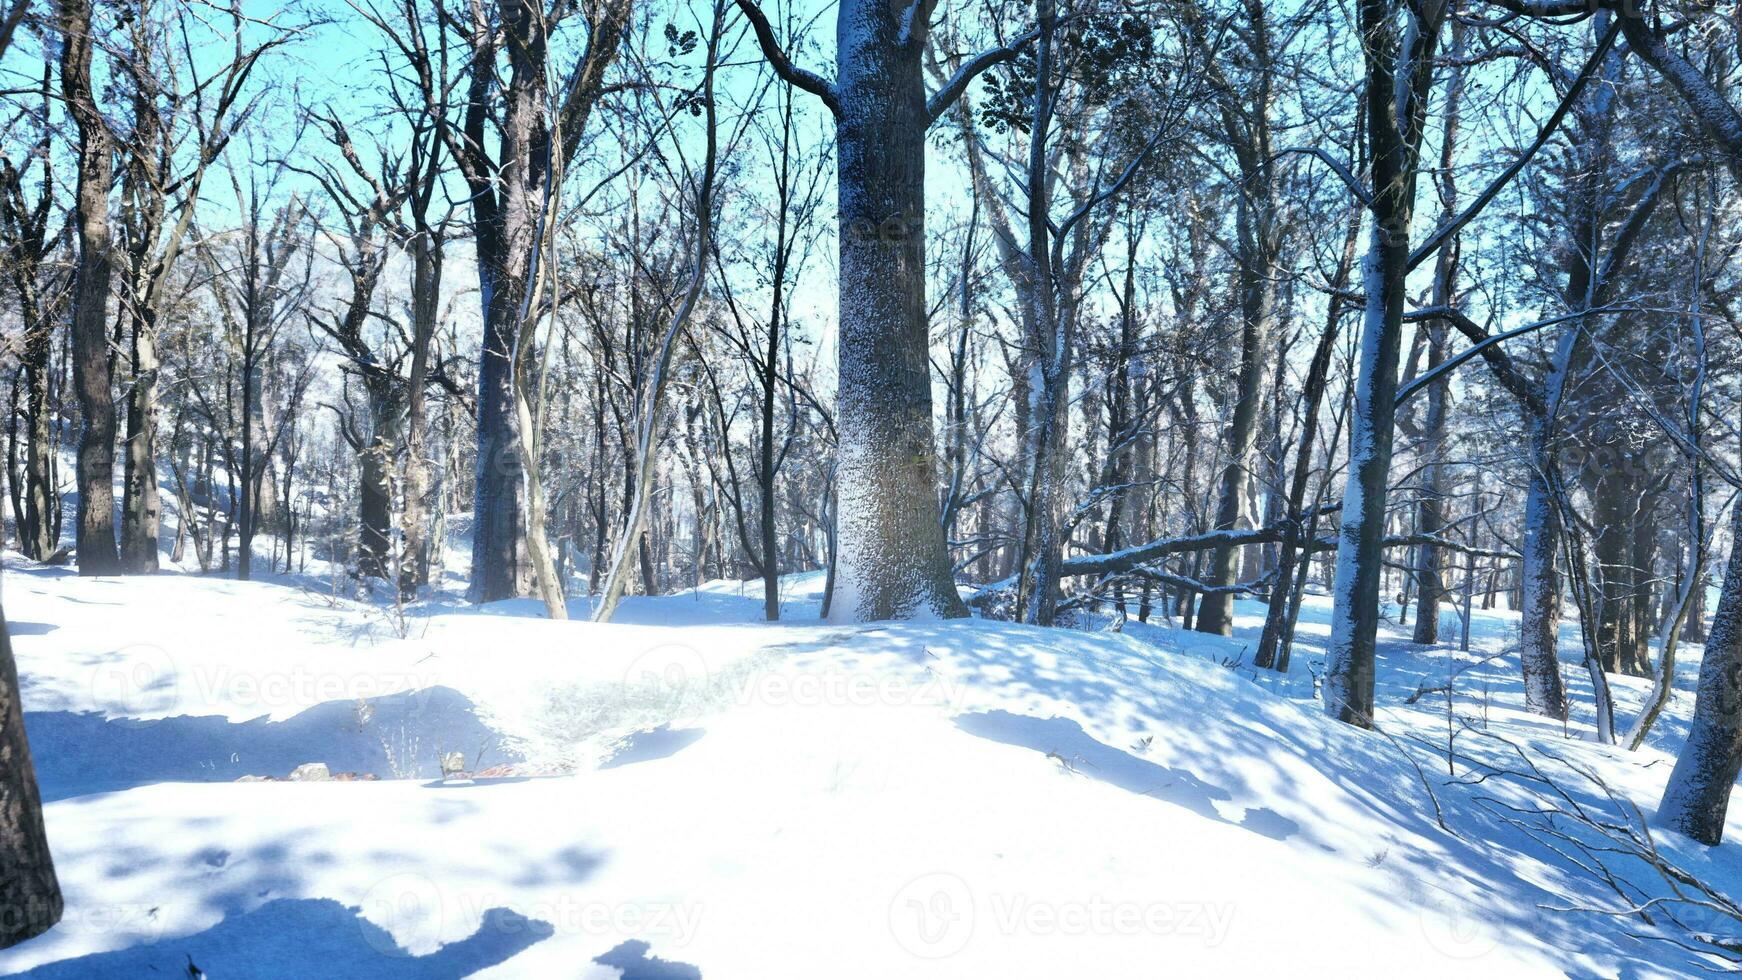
[{"x": 692, "y": 793}]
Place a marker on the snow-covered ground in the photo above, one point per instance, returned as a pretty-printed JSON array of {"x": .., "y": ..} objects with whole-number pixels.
[{"x": 692, "y": 793}]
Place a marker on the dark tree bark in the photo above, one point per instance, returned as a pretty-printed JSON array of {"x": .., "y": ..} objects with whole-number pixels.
[
  {"x": 892, "y": 562},
  {"x": 1430, "y": 510},
  {"x": 1246, "y": 122},
  {"x": 507, "y": 184},
  {"x": 30, "y": 899},
  {"x": 143, "y": 214},
  {"x": 1399, "y": 68},
  {"x": 426, "y": 277},
  {"x": 92, "y": 366},
  {"x": 1697, "y": 796},
  {"x": 24, "y": 236}
]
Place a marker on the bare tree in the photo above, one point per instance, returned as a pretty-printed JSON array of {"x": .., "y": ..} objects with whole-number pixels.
[
  {"x": 505, "y": 148},
  {"x": 892, "y": 561},
  {"x": 648, "y": 426},
  {"x": 29, "y": 245},
  {"x": 93, "y": 368}
]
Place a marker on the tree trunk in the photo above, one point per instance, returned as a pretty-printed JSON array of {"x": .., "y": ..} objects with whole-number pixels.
[
  {"x": 375, "y": 483},
  {"x": 1540, "y": 605},
  {"x": 92, "y": 367},
  {"x": 892, "y": 561},
  {"x": 1430, "y": 513},
  {"x": 247, "y": 506},
  {"x": 39, "y": 528},
  {"x": 1698, "y": 793},
  {"x": 141, "y": 505},
  {"x": 1258, "y": 310},
  {"x": 426, "y": 279},
  {"x": 30, "y": 899},
  {"x": 1397, "y": 70}
]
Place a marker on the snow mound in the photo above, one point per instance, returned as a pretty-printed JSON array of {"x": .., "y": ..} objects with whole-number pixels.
[{"x": 955, "y": 799}]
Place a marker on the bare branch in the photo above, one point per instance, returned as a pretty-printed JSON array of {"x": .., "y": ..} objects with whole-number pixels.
[{"x": 793, "y": 75}]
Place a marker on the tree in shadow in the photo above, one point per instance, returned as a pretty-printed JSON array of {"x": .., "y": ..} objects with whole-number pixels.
[
  {"x": 294, "y": 938},
  {"x": 1065, "y": 740}
]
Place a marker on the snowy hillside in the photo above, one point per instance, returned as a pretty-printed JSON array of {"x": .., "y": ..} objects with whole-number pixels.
[{"x": 694, "y": 794}]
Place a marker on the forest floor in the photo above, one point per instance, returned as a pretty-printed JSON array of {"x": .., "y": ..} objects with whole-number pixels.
[{"x": 693, "y": 793}]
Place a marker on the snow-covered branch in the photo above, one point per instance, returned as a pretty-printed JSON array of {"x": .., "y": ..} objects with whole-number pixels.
[{"x": 783, "y": 66}]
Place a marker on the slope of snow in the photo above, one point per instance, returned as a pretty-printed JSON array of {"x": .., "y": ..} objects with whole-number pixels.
[{"x": 692, "y": 793}]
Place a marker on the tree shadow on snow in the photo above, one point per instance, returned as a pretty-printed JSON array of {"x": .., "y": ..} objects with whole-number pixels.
[
  {"x": 652, "y": 743},
  {"x": 295, "y": 938},
  {"x": 398, "y": 736},
  {"x": 1065, "y": 740},
  {"x": 23, "y": 628},
  {"x": 631, "y": 957}
]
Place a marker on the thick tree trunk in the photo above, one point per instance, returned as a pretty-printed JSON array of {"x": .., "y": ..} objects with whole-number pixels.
[
  {"x": 892, "y": 561},
  {"x": 375, "y": 479},
  {"x": 500, "y": 568},
  {"x": 92, "y": 367},
  {"x": 1698, "y": 793},
  {"x": 507, "y": 205},
  {"x": 30, "y": 899}
]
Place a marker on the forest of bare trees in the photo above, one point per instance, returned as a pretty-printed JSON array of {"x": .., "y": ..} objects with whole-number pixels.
[{"x": 1118, "y": 307}]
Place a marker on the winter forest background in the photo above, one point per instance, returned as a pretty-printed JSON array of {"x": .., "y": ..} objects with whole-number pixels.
[{"x": 1307, "y": 430}]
